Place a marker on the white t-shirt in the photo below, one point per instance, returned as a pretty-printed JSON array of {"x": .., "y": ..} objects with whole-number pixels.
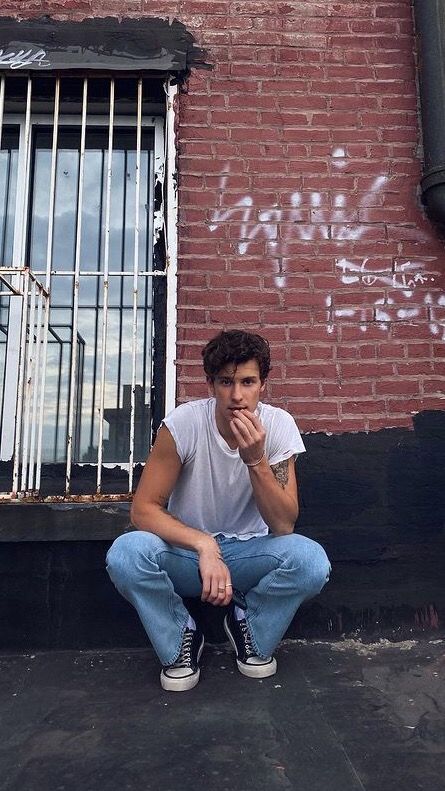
[{"x": 214, "y": 492}]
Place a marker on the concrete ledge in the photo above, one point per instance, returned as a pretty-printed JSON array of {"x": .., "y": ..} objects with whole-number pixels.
[{"x": 63, "y": 521}]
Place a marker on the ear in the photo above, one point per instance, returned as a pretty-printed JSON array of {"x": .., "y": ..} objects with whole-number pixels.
[{"x": 263, "y": 386}]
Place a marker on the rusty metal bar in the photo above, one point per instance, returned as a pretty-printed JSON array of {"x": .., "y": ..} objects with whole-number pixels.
[
  {"x": 105, "y": 290},
  {"x": 72, "y": 391},
  {"x": 49, "y": 255},
  {"x": 24, "y": 275},
  {"x": 135, "y": 282},
  {"x": 26, "y": 180},
  {"x": 2, "y": 106},
  {"x": 95, "y": 273},
  {"x": 37, "y": 392},
  {"x": 29, "y": 365}
]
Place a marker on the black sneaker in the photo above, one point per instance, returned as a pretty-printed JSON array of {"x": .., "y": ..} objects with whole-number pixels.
[
  {"x": 249, "y": 663},
  {"x": 184, "y": 673}
]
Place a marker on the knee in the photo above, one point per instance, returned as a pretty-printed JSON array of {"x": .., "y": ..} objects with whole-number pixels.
[
  {"x": 309, "y": 557},
  {"x": 128, "y": 555},
  {"x": 320, "y": 567}
]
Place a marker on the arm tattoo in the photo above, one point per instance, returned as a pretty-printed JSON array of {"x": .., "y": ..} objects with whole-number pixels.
[{"x": 281, "y": 472}]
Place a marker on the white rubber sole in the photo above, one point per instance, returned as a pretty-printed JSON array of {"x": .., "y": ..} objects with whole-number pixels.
[
  {"x": 179, "y": 684},
  {"x": 252, "y": 671},
  {"x": 258, "y": 671}
]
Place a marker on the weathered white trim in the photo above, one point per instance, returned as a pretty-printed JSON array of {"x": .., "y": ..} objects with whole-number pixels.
[
  {"x": 171, "y": 240},
  {"x": 73, "y": 374},
  {"x": 135, "y": 282},
  {"x": 100, "y": 449}
]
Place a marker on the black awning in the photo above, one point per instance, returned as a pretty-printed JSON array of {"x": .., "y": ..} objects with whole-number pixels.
[{"x": 105, "y": 44}]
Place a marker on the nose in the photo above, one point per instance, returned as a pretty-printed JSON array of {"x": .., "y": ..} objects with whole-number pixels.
[{"x": 237, "y": 395}]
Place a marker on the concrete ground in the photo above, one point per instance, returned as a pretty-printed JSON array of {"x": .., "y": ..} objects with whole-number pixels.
[{"x": 343, "y": 716}]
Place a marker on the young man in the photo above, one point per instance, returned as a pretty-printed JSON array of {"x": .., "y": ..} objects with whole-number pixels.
[{"x": 215, "y": 511}]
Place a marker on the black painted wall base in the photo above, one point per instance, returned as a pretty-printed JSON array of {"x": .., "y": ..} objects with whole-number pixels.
[{"x": 375, "y": 501}]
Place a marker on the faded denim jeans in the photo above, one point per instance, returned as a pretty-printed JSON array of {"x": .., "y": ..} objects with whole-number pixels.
[{"x": 276, "y": 573}]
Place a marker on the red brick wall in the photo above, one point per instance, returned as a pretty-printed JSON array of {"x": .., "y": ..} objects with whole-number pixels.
[{"x": 299, "y": 203}]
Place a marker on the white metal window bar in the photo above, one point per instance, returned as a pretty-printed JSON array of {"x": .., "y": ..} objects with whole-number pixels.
[
  {"x": 22, "y": 286},
  {"x": 26, "y": 369}
]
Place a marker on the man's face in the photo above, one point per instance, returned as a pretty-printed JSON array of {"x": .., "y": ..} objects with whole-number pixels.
[{"x": 236, "y": 387}]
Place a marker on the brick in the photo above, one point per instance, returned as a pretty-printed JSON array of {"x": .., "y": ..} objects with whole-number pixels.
[
  {"x": 376, "y": 423},
  {"x": 240, "y": 118},
  {"x": 311, "y": 371},
  {"x": 404, "y": 387},
  {"x": 362, "y": 407},
  {"x": 435, "y": 387},
  {"x": 287, "y": 317},
  {"x": 321, "y": 352},
  {"x": 247, "y": 298},
  {"x": 346, "y": 389},
  {"x": 252, "y": 101},
  {"x": 316, "y": 333},
  {"x": 202, "y": 298},
  {"x": 439, "y": 349},
  {"x": 416, "y": 368},
  {"x": 311, "y": 408},
  {"x": 411, "y": 331},
  {"x": 404, "y": 405},
  {"x": 293, "y": 390},
  {"x": 365, "y": 370},
  {"x": 298, "y": 352},
  {"x": 210, "y": 7},
  {"x": 234, "y": 317},
  {"x": 391, "y": 351},
  {"x": 304, "y": 298}
]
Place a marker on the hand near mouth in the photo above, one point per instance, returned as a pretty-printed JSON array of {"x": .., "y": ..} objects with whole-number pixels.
[{"x": 249, "y": 434}]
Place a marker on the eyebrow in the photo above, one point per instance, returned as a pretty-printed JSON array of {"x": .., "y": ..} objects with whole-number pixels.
[{"x": 232, "y": 378}]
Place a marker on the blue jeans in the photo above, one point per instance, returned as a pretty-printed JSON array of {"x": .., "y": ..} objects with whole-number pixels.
[{"x": 276, "y": 573}]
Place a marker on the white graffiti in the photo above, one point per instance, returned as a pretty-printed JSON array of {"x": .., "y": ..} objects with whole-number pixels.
[
  {"x": 280, "y": 225},
  {"x": 290, "y": 221},
  {"x": 23, "y": 57},
  {"x": 405, "y": 278}
]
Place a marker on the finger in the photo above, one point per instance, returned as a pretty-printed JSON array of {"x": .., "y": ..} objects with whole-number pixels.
[
  {"x": 249, "y": 418},
  {"x": 206, "y": 587},
  {"x": 224, "y": 597},
  {"x": 247, "y": 430},
  {"x": 218, "y": 589},
  {"x": 237, "y": 434},
  {"x": 243, "y": 417},
  {"x": 254, "y": 419},
  {"x": 228, "y": 595}
]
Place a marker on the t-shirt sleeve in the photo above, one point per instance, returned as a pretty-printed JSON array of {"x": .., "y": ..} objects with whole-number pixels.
[
  {"x": 285, "y": 438},
  {"x": 182, "y": 425}
]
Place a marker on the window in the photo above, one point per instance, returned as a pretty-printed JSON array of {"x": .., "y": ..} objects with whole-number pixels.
[{"x": 82, "y": 209}]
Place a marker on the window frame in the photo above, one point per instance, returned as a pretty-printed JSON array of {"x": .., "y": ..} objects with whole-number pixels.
[{"x": 164, "y": 157}]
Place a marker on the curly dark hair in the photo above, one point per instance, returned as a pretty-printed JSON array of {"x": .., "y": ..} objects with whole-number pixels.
[{"x": 236, "y": 346}]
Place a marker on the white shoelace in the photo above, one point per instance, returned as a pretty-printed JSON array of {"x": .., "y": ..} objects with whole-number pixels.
[
  {"x": 247, "y": 638},
  {"x": 185, "y": 657}
]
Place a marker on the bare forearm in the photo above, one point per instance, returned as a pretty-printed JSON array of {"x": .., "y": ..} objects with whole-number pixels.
[
  {"x": 215, "y": 576},
  {"x": 276, "y": 506},
  {"x": 155, "y": 519}
]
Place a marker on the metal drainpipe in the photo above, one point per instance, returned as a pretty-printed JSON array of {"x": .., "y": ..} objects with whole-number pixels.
[{"x": 430, "y": 29}]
